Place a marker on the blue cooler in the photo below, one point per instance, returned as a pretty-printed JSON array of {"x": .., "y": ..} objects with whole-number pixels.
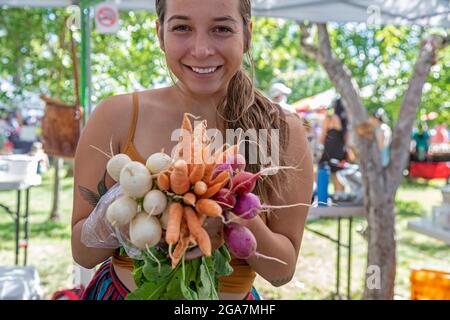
[{"x": 323, "y": 178}]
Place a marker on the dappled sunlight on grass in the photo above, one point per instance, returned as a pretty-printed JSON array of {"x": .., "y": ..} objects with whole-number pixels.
[{"x": 315, "y": 276}]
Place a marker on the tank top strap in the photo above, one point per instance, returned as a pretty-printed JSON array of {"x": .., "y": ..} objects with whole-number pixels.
[{"x": 134, "y": 119}]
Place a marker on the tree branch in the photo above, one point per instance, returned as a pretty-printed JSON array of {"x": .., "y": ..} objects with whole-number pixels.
[
  {"x": 310, "y": 50},
  {"x": 342, "y": 79},
  {"x": 402, "y": 133}
]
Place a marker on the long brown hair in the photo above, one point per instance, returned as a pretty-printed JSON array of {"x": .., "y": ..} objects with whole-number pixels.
[{"x": 244, "y": 107}]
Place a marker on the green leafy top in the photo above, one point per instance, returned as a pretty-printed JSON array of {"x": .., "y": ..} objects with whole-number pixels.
[{"x": 197, "y": 279}]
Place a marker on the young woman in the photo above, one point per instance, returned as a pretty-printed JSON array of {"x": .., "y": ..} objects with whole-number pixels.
[
  {"x": 334, "y": 138},
  {"x": 204, "y": 42}
]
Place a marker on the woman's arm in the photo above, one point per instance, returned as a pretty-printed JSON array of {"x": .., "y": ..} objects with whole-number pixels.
[
  {"x": 281, "y": 237},
  {"x": 106, "y": 122}
]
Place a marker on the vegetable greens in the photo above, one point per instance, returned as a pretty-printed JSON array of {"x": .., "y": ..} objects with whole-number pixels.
[{"x": 197, "y": 279}]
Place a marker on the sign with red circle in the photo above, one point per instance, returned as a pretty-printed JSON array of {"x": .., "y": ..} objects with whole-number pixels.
[{"x": 106, "y": 18}]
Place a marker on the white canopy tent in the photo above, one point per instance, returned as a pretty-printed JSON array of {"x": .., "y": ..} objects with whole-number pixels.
[{"x": 433, "y": 13}]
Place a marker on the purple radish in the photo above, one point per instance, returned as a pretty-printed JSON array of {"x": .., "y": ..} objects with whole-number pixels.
[
  {"x": 245, "y": 182},
  {"x": 237, "y": 162},
  {"x": 248, "y": 206},
  {"x": 242, "y": 243},
  {"x": 222, "y": 167},
  {"x": 225, "y": 198}
]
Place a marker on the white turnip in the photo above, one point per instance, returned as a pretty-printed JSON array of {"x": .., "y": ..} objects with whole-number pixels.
[
  {"x": 135, "y": 179},
  {"x": 164, "y": 219},
  {"x": 158, "y": 162},
  {"x": 122, "y": 211},
  {"x": 116, "y": 164},
  {"x": 145, "y": 231},
  {"x": 155, "y": 202}
]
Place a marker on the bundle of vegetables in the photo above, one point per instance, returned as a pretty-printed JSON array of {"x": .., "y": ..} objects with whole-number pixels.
[
  {"x": 162, "y": 210},
  {"x": 166, "y": 203}
]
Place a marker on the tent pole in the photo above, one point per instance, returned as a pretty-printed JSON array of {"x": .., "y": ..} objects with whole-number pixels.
[{"x": 85, "y": 58}]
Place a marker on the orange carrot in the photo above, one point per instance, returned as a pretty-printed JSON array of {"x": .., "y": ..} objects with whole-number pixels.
[
  {"x": 186, "y": 124},
  {"x": 200, "y": 132},
  {"x": 202, "y": 218},
  {"x": 163, "y": 181},
  {"x": 184, "y": 148},
  {"x": 200, "y": 188},
  {"x": 198, "y": 141},
  {"x": 221, "y": 157},
  {"x": 179, "y": 179},
  {"x": 209, "y": 168},
  {"x": 174, "y": 223},
  {"x": 184, "y": 141},
  {"x": 221, "y": 177},
  {"x": 208, "y": 207},
  {"x": 205, "y": 154},
  {"x": 198, "y": 170},
  {"x": 179, "y": 251},
  {"x": 196, "y": 229},
  {"x": 189, "y": 199},
  {"x": 213, "y": 190},
  {"x": 182, "y": 245}
]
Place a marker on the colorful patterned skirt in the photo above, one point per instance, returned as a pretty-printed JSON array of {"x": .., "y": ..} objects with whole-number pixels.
[{"x": 106, "y": 285}]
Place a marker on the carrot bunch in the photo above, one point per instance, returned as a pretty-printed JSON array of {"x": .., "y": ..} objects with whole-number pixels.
[{"x": 191, "y": 183}]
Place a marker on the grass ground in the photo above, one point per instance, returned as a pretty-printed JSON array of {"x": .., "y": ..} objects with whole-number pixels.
[{"x": 49, "y": 245}]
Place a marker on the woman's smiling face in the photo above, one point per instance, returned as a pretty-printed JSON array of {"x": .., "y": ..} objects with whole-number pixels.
[{"x": 203, "y": 41}]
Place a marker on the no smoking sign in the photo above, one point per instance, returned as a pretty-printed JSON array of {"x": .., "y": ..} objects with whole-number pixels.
[{"x": 106, "y": 18}]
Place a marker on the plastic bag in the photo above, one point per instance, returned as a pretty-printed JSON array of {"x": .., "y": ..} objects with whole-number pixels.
[{"x": 98, "y": 232}]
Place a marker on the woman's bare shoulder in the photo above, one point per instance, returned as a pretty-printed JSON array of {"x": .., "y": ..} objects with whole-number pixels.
[
  {"x": 112, "y": 116},
  {"x": 112, "y": 106},
  {"x": 155, "y": 98}
]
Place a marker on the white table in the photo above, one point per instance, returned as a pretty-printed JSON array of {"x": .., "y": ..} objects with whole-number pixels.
[
  {"x": 20, "y": 283},
  {"x": 22, "y": 185},
  {"x": 426, "y": 227},
  {"x": 338, "y": 212}
]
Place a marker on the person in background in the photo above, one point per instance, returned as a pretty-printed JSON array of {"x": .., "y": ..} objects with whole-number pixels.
[
  {"x": 42, "y": 158},
  {"x": 441, "y": 134},
  {"x": 334, "y": 139},
  {"x": 383, "y": 134},
  {"x": 422, "y": 141},
  {"x": 279, "y": 94}
]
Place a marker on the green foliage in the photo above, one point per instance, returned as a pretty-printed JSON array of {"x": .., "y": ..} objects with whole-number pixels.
[
  {"x": 129, "y": 60},
  {"x": 35, "y": 53},
  {"x": 380, "y": 58},
  {"x": 277, "y": 57}
]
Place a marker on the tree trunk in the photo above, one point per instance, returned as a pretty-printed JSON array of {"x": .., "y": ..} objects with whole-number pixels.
[
  {"x": 69, "y": 173},
  {"x": 380, "y": 184},
  {"x": 381, "y": 251},
  {"x": 55, "y": 214}
]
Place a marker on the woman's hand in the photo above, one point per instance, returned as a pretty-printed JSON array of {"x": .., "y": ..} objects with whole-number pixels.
[
  {"x": 214, "y": 228},
  {"x": 97, "y": 231}
]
